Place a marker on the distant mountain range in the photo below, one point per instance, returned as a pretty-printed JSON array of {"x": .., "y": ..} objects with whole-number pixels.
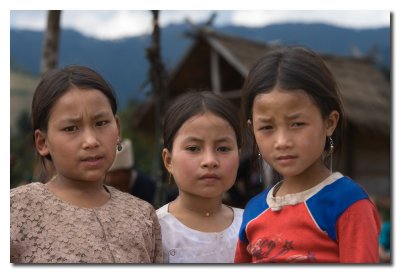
[{"x": 123, "y": 62}]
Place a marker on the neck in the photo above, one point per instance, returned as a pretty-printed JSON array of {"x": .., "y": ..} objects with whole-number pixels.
[
  {"x": 79, "y": 193},
  {"x": 192, "y": 211},
  {"x": 205, "y": 207},
  {"x": 304, "y": 181},
  {"x": 84, "y": 187}
]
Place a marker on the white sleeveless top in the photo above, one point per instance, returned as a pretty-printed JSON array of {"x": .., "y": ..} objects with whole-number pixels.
[{"x": 182, "y": 244}]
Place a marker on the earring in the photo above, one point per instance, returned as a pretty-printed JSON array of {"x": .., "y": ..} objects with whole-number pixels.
[
  {"x": 260, "y": 173},
  {"x": 119, "y": 146},
  {"x": 169, "y": 179},
  {"x": 331, "y": 152}
]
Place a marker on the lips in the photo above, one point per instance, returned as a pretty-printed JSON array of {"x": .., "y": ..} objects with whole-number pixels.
[
  {"x": 210, "y": 177},
  {"x": 93, "y": 161},
  {"x": 285, "y": 159},
  {"x": 92, "y": 158}
]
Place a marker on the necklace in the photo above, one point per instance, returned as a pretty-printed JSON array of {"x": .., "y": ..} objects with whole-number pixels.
[
  {"x": 204, "y": 214},
  {"x": 53, "y": 178}
]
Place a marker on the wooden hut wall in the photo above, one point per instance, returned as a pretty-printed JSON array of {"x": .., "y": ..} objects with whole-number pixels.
[{"x": 366, "y": 158}]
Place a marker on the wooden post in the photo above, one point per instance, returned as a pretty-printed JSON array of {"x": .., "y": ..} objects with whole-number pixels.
[
  {"x": 50, "y": 49},
  {"x": 215, "y": 73},
  {"x": 157, "y": 79}
]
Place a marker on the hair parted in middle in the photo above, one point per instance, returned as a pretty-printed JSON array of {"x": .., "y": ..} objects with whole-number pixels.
[
  {"x": 194, "y": 103},
  {"x": 294, "y": 69},
  {"x": 55, "y": 83}
]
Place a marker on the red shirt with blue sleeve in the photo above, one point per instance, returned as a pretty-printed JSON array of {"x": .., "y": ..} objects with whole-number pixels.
[{"x": 333, "y": 222}]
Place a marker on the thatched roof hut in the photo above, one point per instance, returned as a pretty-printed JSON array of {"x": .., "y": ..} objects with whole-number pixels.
[{"x": 220, "y": 63}]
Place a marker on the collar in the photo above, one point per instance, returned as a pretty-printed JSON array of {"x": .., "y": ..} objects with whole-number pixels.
[{"x": 277, "y": 202}]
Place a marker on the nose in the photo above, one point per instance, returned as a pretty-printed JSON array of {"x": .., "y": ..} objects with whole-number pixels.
[
  {"x": 283, "y": 140},
  {"x": 210, "y": 160},
  {"x": 90, "y": 140}
]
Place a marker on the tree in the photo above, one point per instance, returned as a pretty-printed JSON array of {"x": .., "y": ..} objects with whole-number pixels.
[
  {"x": 49, "y": 61},
  {"x": 50, "y": 48},
  {"x": 157, "y": 69},
  {"x": 158, "y": 82}
]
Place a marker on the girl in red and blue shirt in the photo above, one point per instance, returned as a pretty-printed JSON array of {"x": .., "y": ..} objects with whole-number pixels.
[{"x": 294, "y": 111}]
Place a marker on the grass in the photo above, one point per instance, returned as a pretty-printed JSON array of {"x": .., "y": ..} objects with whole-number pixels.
[{"x": 22, "y": 87}]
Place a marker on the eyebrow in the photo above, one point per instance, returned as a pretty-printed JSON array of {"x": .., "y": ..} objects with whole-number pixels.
[
  {"x": 264, "y": 119},
  {"x": 101, "y": 114},
  {"x": 221, "y": 139},
  {"x": 294, "y": 115},
  {"x": 70, "y": 120},
  {"x": 288, "y": 117},
  {"x": 97, "y": 115}
]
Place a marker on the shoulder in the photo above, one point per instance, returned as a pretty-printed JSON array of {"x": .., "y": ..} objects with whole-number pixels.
[
  {"x": 27, "y": 193},
  {"x": 237, "y": 214},
  {"x": 363, "y": 208},
  {"x": 171, "y": 226},
  {"x": 342, "y": 193},
  {"x": 332, "y": 201},
  {"x": 237, "y": 211},
  {"x": 34, "y": 186},
  {"x": 166, "y": 219},
  {"x": 129, "y": 204},
  {"x": 124, "y": 197},
  {"x": 237, "y": 218},
  {"x": 358, "y": 233},
  {"x": 256, "y": 206},
  {"x": 162, "y": 211},
  {"x": 28, "y": 201}
]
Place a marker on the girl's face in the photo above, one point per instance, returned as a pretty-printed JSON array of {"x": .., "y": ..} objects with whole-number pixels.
[
  {"x": 205, "y": 157},
  {"x": 290, "y": 131},
  {"x": 82, "y": 135}
]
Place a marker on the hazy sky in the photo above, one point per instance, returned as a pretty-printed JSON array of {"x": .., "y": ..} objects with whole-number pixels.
[{"x": 107, "y": 24}]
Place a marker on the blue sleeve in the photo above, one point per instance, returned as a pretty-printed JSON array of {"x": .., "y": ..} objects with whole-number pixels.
[
  {"x": 329, "y": 204},
  {"x": 254, "y": 207}
]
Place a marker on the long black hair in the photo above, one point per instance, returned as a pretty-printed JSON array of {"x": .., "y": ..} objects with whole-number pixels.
[{"x": 293, "y": 69}]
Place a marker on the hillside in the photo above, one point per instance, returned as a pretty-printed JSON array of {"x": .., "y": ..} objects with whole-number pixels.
[
  {"x": 22, "y": 87},
  {"x": 123, "y": 62}
]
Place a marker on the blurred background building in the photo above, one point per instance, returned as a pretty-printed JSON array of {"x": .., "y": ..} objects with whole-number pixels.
[{"x": 205, "y": 56}]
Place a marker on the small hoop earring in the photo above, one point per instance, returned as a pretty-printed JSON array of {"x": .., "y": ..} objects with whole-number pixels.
[
  {"x": 119, "y": 146},
  {"x": 331, "y": 152}
]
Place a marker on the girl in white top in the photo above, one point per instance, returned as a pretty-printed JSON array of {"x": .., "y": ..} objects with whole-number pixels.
[{"x": 201, "y": 152}]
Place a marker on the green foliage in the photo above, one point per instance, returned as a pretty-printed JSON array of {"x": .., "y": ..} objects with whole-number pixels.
[
  {"x": 143, "y": 145},
  {"x": 22, "y": 151}
]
